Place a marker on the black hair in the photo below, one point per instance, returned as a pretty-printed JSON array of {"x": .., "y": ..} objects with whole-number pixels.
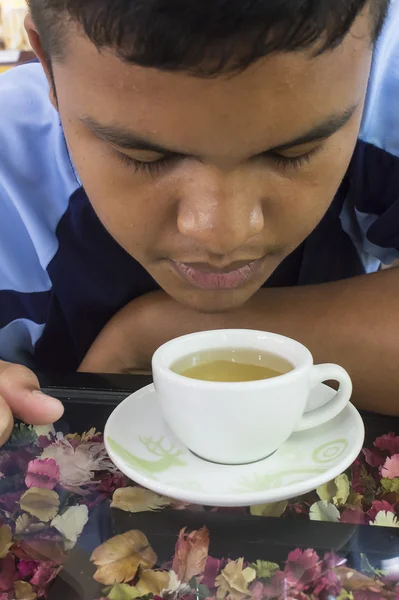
[{"x": 202, "y": 37}]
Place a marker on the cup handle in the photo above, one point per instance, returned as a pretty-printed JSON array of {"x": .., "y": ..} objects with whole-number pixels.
[{"x": 336, "y": 405}]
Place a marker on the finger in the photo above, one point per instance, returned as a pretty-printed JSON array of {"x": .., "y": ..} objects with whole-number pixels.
[
  {"x": 20, "y": 389},
  {"x": 6, "y": 421}
]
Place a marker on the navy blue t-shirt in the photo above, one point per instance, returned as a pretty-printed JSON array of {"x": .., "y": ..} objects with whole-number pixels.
[{"x": 62, "y": 275}]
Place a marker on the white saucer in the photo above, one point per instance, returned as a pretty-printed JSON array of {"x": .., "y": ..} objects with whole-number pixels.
[{"x": 142, "y": 446}]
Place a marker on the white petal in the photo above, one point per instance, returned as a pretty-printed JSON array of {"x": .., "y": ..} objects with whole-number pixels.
[
  {"x": 71, "y": 523},
  {"x": 385, "y": 519},
  {"x": 324, "y": 511}
]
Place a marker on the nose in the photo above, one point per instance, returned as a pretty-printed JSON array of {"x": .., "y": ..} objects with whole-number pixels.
[{"x": 220, "y": 215}]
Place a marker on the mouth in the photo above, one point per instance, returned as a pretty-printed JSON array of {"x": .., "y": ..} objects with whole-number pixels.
[{"x": 208, "y": 277}]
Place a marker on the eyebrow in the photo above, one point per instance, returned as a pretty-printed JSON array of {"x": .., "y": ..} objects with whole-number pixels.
[{"x": 129, "y": 140}]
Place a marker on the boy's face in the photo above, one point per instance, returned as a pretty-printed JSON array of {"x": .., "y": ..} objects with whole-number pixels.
[{"x": 246, "y": 165}]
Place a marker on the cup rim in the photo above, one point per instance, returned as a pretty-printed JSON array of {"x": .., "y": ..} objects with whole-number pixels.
[{"x": 159, "y": 366}]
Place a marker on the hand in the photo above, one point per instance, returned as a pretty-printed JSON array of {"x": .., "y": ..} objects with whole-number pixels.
[{"x": 20, "y": 396}]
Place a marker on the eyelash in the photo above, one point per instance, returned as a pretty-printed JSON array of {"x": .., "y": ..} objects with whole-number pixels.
[
  {"x": 295, "y": 162},
  {"x": 153, "y": 168},
  {"x": 157, "y": 166}
]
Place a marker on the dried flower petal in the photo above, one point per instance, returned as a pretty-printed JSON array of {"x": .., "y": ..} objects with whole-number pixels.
[
  {"x": 378, "y": 506},
  {"x": 118, "y": 559},
  {"x": 24, "y": 591},
  {"x": 343, "y": 490},
  {"x": 152, "y": 582},
  {"x": 43, "y": 576},
  {"x": 40, "y": 503},
  {"x": 355, "y": 516},
  {"x": 327, "y": 491},
  {"x": 213, "y": 567},
  {"x": 78, "y": 465},
  {"x": 275, "y": 509},
  {"x": 42, "y": 474},
  {"x": 264, "y": 569},
  {"x": 324, "y": 511},
  {"x": 390, "y": 470},
  {"x": 175, "y": 589},
  {"x": 234, "y": 580},
  {"x": 26, "y": 568},
  {"x": 71, "y": 523},
  {"x": 389, "y": 443},
  {"x": 303, "y": 567},
  {"x": 136, "y": 499},
  {"x": 7, "y": 573},
  {"x": 374, "y": 457},
  {"x": 385, "y": 519},
  {"x": 191, "y": 554},
  {"x": 390, "y": 485},
  {"x": 5, "y": 540},
  {"x": 353, "y": 580},
  {"x": 41, "y": 550},
  {"x": 27, "y": 524},
  {"x": 122, "y": 591}
]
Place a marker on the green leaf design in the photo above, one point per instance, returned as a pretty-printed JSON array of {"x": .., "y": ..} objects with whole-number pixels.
[{"x": 168, "y": 456}]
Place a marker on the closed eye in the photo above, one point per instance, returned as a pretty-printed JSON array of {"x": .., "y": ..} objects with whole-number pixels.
[
  {"x": 286, "y": 162},
  {"x": 158, "y": 165}
]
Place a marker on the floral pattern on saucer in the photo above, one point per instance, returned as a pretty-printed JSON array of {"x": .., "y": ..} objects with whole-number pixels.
[{"x": 142, "y": 446}]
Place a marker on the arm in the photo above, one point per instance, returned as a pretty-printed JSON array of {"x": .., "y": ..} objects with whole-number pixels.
[{"x": 354, "y": 322}]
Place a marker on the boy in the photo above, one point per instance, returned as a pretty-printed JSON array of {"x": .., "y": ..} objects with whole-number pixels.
[{"x": 178, "y": 165}]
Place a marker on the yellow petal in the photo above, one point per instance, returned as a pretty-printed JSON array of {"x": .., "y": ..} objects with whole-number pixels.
[
  {"x": 5, "y": 540},
  {"x": 122, "y": 591},
  {"x": 136, "y": 499},
  {"x": 327, "y": 491},
  {"x": 152, "y": 582},
  {"x": 120, "y": 557},
  {"x": 40, "y": 503},
  {"x": 237, "y": 578},
  {"x": 343, "y": 490},
  {"x": 24, "y": 591},
  {"x": 276, "y": 509}
]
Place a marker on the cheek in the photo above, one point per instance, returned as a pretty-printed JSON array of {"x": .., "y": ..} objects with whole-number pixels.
[
  {"x": 130, "y": 205},
  {"x": 298, "y": 201}
]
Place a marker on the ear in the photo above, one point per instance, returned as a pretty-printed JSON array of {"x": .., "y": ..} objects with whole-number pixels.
[{"x": 36, "y": 43}]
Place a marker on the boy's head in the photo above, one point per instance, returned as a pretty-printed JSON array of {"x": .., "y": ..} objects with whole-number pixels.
[{"x": 210, "y": 135}]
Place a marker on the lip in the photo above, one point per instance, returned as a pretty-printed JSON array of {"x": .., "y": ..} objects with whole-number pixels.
[{"x": 207, "y": 277}]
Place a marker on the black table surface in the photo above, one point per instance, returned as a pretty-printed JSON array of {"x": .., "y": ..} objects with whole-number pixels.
[{"x": 89, "y": 400}]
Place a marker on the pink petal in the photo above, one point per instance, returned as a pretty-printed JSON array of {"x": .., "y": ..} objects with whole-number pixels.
[
  {"x": 390, "y": 470},
  {"x": 257, "y": 591},
  {"x": 44, "y": 575},
  {"x": 7, "y": 573},
  {"x": 354, "y": 516},
  {"x": 26, "y": 568},
  {"x": 303, "y": 567},
  {"x": 212, "y": 569},
  {"x": 42, "y": 474},
  {"x": 389, "y": 443},
  {"x": 374, "y": 457}
]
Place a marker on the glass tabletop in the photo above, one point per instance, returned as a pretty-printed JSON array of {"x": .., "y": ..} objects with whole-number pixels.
[{"x": 288, "y": 555}]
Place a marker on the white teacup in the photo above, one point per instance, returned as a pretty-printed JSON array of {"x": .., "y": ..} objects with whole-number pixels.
[{"x": 238, "y": 423}]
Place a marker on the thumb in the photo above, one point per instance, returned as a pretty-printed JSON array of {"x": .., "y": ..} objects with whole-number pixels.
[{"x": 20, "y": 389}]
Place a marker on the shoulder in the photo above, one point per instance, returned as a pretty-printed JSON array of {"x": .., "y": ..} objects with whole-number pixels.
[
  {"x": 380, "y": 125},
  {"x": 36, "y": 174},
  {"x": 371, "y": 211},
  {"x": 36, "y": 181}
]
